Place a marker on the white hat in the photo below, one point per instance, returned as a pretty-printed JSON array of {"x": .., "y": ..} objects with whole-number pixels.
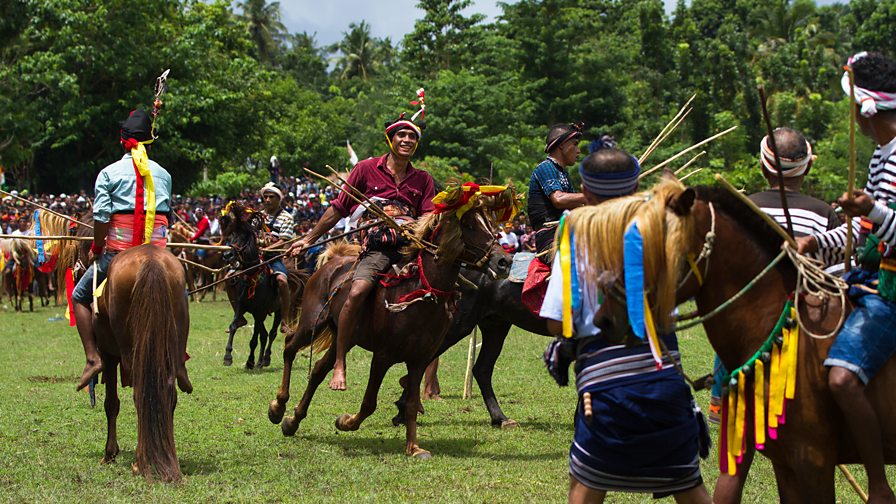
[
  {"x": 81, "y": 199},
  {"x": 62, "y": 195},
  {"x": 14, "y": 192},
  {"x": 271, "y": 188}
]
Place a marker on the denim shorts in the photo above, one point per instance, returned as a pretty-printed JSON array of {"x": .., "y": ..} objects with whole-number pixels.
[
  {"x": 278, "y": 268},
  {"x": 83, "y": 292},
  {"x": 868, "y": 338}
]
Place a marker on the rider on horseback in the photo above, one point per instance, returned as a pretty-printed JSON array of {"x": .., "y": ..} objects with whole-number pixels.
[
  {"x": 389, "y": 177},
  {"x": 280, "y": 224},
  {"x": 867, "y": 340},
  {"x": 132, "y": 200}
]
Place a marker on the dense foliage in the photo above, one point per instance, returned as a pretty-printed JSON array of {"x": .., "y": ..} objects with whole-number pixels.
[{"x": 242, "y": 89}]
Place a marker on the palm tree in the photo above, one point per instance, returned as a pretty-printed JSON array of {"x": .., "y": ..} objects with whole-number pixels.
[
  {"x": 264, "y": 26},
  {"x": 359, "y": 53}
]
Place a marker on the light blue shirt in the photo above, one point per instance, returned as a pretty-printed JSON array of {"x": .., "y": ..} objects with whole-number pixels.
[{"x": 116, "y": 189}]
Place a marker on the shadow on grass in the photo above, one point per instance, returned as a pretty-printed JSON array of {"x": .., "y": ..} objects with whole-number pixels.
[
  {"x": 355, "y": 444},
  {"x": 197, "y": 467}
]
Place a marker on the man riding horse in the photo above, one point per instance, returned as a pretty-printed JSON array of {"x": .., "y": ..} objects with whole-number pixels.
[
  {"x": 280, "y": 226},
  {"x": 392, "y": 178},
  {"x": 131, "y": 206},
  {"x": 867, "y": 340}
]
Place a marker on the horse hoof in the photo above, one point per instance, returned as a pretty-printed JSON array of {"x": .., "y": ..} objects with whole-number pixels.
[
  {"x": 398, "y": 420},
  {"x": 250, "y": 365},
  {"x": 135, "y": 470},
  {"x": 421, "y": 454},
  {"x": 228, "y": 360},
  {"x": 341, "y": 423},
  {"x": 275, "y": 412},
  {"x": 509, "y": 424},
  {"x": 289, "y": 426}
]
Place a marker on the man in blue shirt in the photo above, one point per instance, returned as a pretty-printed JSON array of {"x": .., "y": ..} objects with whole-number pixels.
[{"x": 550, "y": 191}]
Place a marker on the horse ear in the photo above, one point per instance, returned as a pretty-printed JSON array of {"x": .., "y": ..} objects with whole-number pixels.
[{"x": 682, "y": 203}]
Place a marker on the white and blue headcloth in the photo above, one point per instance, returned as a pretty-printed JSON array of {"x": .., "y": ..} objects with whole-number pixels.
[
  {"x": 870, "y": 102},
  {"x": 612, "y": 184}
]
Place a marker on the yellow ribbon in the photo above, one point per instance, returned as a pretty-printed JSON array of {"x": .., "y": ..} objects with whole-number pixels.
[
  {"x": 141, "y": 161},
  {"x": 759, "y": 403},
  {"x": 565, "y": 252},
  {"x": 652, "y": 338},
  {"x": 475, "y": 192}
]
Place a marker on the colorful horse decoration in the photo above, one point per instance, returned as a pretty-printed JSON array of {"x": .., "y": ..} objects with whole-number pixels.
[{"x": 707, "y": 245}]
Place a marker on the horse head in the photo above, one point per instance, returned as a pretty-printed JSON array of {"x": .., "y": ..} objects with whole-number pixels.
[
  {"x": 661, "y": 217},
  {"x": 239, "y": 230}
]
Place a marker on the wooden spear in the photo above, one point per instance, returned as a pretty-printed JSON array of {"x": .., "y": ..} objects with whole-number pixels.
[
  {"x": 851, "y": 184},
  {"x": 38, "y": 205},
  {"x": 689, "y": 149},
  {"x": 774, "y": 146}
]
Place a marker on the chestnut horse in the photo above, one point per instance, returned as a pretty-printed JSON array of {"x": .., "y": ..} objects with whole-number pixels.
[
  {"x": 142, "y": 323},
  {"x": 815, "y": 437},
  {"x": 411, "y": 332}
]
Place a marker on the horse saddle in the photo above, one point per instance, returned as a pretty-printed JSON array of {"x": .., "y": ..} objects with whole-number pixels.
[{"x": 520, "y": 267}]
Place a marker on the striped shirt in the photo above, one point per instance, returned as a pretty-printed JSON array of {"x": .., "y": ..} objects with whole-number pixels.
[
  {"x": 281, "y": 225},
  {"x": 882, "y": 187},
  {"x": 810, "y": 216}
]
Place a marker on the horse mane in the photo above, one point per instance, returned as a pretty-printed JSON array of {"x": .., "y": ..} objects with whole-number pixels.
[
  {"x": 753, "y": 224},
  {"x": 338, "y": 248},
  {"x": 599, "y": 230}
]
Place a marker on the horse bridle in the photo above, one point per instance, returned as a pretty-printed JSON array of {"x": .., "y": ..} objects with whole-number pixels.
[{"x": 478, "y": 261}]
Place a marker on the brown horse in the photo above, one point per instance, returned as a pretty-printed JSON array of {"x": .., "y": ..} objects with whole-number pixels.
[
  {"x": 19, "y": 274},
  {"x": 142, "y": 323},
  {"x": 411, "y": 332},
  {"x": 815, "y": 437}
]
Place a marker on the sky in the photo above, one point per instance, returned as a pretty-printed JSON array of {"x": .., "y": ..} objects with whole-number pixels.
[{"x": 387, "y": 18}]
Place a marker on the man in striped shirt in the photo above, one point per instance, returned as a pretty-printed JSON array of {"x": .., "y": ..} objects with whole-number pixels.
[
  {"x": 868, "y": 337},
  {"x": 810, "y": 216},
  {"x": 280, "y": 224}
]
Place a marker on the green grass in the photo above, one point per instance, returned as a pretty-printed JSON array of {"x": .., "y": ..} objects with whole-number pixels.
[{"x": 51, "y": 441}]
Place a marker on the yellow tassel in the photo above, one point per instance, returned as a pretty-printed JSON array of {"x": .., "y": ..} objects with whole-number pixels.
[
  {"x": 793, "y": 338},
  {"x": 775, "y": 387},
  {"x": 141, "y": 161},
  {"x": 759, "y": 403},
  {"x": 652, "y": 339},
  {"x": 741, "y": 417},
  {"x": 565, "y": 251},
  {"x": 732, "y": 410}
]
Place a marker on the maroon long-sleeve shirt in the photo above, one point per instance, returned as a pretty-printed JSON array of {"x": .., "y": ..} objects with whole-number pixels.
[{"x": 372, "y": 178}]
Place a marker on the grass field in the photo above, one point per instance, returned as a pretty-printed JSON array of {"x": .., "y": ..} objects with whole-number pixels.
[{"x": 51, "y": 441}]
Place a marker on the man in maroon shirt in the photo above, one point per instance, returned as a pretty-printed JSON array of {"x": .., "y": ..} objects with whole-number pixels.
[{"x": 390, "y": 177}]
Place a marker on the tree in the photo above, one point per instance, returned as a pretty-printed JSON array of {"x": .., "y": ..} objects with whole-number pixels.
[
  {"x": 359, "y": 53},
  {"x": 444, "y": 39},
  {"x": 264, "y": 26}
]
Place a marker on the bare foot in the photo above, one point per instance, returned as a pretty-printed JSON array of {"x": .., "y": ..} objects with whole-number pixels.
[
  {"x": 91, "y": 369},
  {"x": 338, "y": 380}
]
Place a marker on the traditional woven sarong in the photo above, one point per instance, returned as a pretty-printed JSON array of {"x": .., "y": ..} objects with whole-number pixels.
[{"x": 644, "y": 435}]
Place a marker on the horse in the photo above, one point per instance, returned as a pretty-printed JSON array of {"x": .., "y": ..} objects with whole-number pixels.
[
  {"x": 197, "y": 276},
  {"x": 492, "y": 304},
  {"x": 404, "y": 323},
  {"x": 142, "y": 323},
  {"x": 735, "y": 245},
  {"x": 254, "y": 292},
  {"x": 19, "y": 273}
]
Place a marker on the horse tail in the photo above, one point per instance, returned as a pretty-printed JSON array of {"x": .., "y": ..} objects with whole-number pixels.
[{"x": 152, "y": 326}]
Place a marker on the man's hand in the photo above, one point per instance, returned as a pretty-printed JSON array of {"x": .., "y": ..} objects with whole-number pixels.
[
  {"x": 857, "y": 206},
  {"x": 806, "y": 244},
  {"x": 299, "y": 246}
]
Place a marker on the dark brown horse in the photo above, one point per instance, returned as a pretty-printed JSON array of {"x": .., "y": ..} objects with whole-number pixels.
[
  {"x": 411, "y": 335},
  {"x": 815, "y": 437},
  {"x": 142, "y": 323},
  {"x": 494, "y": 307},
  {"x": 255, "y": 291},
  {"x": 18, "y": 276}
]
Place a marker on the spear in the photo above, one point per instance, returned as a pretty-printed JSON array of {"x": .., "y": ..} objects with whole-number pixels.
[
  {"x": 689, "y": 149},
  {"x": 38, "y": 205},
  {"x": 773, "y": 144},
  {"x": 851, "y": 184}
]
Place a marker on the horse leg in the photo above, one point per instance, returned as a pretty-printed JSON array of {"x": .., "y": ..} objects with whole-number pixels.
[
  {"x": 415, "y": 376},
  {"x": 290, "y": 348},
  {"x": 431, "y": 387},
  {"x": 228, "y": 354},
  {"x": 265, "y": 358},
  {"x": 493, "y": 336},
  {"x": 257, "y": 330},
  {"x": 321, "y": 368},
  {"x": 112, "y": 405},
  {"x": 378, "y": 368}
]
